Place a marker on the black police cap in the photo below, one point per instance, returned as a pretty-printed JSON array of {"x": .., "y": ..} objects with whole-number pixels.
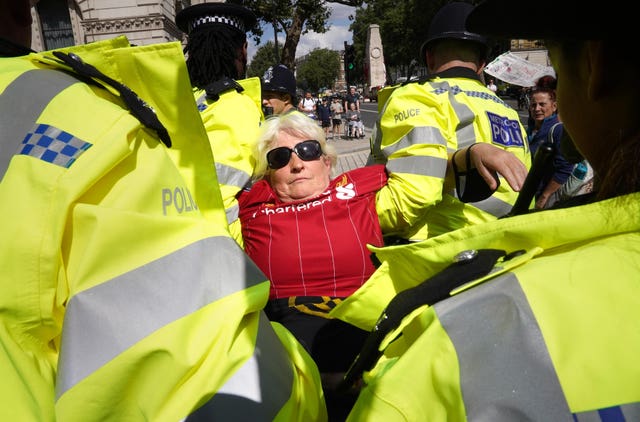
[{"x": 205, "y": 14}]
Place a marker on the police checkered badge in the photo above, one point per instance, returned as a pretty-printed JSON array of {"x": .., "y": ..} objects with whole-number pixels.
[{"x": 233, "y": 21}]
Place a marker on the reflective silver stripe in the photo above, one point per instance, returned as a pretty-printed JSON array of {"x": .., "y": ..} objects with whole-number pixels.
[
  {"x": 420, "y": 165},
  {"x": 259, "y": 389},
  {"x": 494, "y": 206},
  {"x": 625, "y": 412},
  {"x": 231, "y": 176},
  {"x": 465, "y": 133},
  {"x": 152, "y": 296},
  {"x": 502, "y": 355},
  {"x": 22, "y": 102},
  {"x": 233, "y": 212},
  {"x": 417, "y": 135}
]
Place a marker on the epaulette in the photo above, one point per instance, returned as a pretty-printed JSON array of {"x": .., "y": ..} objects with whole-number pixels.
[
  {"x": 216, "y": 88},
  {"x": 136, "y": 105}
]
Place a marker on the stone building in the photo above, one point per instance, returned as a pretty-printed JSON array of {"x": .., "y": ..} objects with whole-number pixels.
[{"x": 62, "y": 23}]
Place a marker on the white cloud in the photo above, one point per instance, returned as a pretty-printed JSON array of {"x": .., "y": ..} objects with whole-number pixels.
[{"x": 333, "y": 39}]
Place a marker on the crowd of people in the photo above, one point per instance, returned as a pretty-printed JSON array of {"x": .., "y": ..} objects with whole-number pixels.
[{"x": 189, "y": 253}]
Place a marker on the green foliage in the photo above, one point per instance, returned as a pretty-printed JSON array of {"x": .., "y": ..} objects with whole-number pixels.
[
  {"x": 292, "y": 18},
  {"x": 265, "y": 56},
  {"x": 403, "y": 28},
  {"x": 319, "y": 70}
]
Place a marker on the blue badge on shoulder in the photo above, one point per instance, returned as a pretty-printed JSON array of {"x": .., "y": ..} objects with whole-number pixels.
[{"x": 505, "y": 131}]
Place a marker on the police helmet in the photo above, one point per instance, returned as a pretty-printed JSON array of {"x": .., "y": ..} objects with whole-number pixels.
[
  {"x": 279, "y": 79},
  {"x": 449, "y": 23},
  {"x": 205, "y": 15}
]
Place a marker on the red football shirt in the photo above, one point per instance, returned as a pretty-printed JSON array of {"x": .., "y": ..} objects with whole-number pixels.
[{"x": 315, "y": 247}]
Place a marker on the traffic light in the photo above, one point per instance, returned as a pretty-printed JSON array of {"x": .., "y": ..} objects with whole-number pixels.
[{"x": 349, "y": 62}]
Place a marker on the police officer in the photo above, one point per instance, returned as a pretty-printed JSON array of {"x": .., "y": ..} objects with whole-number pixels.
[
  {"x": 123, "y": 295},
  {"x": 230, "y": 105},
  {"x": 531, "y": 317},
  {"x": 278, "y": 90},
  {"x": 424, "y": 122}
]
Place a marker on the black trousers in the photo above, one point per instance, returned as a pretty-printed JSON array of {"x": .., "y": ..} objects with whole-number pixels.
[{"x": 333, "y": 344}]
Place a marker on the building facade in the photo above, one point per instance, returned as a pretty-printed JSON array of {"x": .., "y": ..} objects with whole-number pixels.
[{"x": 62, "y": 23}]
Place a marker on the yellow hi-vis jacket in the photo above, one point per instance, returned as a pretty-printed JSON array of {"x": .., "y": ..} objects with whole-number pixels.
[
  {"x": 549, "y": 334},
  {"x": 123, "y": 297},
  {"x": 420, "y": 125},
  {"x": 232, "y": 118}
]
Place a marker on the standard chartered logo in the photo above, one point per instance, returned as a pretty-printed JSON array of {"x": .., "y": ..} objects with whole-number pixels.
[{"x": 345, "y": 192}]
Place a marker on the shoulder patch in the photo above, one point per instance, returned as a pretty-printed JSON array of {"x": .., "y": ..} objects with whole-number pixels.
[
  {"x": 53, "y": 145},
  {"x": 505, "y": 131}
]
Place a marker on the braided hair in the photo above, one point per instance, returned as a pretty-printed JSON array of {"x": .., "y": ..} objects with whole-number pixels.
[{"x": 212, "y": 51}]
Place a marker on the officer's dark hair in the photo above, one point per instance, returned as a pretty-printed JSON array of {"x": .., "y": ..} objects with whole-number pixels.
[{"x": 212, "y": 52}]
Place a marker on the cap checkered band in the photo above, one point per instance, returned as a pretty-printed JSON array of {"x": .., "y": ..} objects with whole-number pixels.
[
  {"x": 53, "y": 145},
  {"x": 233, "y": 21}
]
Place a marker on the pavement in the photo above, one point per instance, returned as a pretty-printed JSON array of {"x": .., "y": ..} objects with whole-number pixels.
[{"x": 352, "y": 153}]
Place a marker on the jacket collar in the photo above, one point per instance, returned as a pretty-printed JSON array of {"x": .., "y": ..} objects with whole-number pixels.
[{"x": 458, "y": 72}]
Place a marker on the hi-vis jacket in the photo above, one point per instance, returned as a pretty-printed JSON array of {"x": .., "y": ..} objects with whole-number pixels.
[
  {"x": 232, "y": 113},
  {"x": 419, "y": 126},
  {"x": 549, "y": 334},
  {"x": 123, "y": 295}
]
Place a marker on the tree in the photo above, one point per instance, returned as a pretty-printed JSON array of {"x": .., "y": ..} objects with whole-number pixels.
[
  {"x": 293, "y": 18},
  {"x": 265, "y": 56},
  {"x": 403, "y": 28},
  {"x": 319, "y": 70}
]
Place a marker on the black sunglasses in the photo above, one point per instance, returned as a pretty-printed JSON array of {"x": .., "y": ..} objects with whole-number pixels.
[{"x": 307, "y": 151}]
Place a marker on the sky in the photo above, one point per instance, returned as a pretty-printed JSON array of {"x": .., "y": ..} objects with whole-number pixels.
[{"x": 333, "y": 39}]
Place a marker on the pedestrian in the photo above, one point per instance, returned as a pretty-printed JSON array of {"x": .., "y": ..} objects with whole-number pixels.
[
  {"x": 336, "y": 117},
  {"x": 123, "y": 295},
  {"x": 425, "y": 121},
  {"x": 352, "y": 97},
  {"x": 546, "y": 128},
  {"x": 278, "y": 90},
  {"x": 543, "y": 327},
  {"x": 492, "y": 86},
  {"x": 324, "y": 116},
  {"x": 307, "y": 105},
  {"x": 229, "y": 103}
]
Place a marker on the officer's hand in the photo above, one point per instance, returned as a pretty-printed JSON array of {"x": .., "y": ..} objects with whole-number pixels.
[{"x": 489, "y": 160}]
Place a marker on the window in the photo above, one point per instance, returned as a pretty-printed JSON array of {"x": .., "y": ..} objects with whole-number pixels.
[{"x": 56, "y": 24}]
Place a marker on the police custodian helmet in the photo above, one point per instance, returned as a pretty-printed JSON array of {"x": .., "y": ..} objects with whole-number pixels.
[
  {"x": 449, "y": 23},
  {"x": 207, "y": 14},
  {"x": 280, "y": 79}
]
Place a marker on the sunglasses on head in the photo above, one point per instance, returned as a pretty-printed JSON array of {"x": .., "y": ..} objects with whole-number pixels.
[{"x": 307, "y": 151}]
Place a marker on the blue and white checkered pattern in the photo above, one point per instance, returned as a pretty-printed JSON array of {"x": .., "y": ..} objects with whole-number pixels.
[
  {"x": 53, "y": 145},
  {"x": 233, "y": 21},
  {"x": 484, "y": 95}
]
